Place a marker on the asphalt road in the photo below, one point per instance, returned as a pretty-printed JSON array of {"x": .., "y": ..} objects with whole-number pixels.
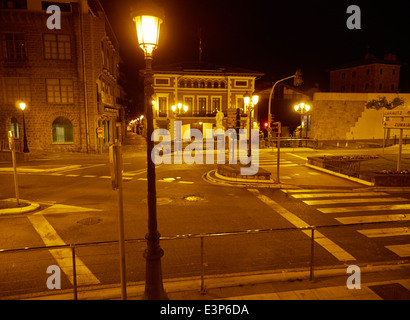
[{"x": 79, "y": 206}]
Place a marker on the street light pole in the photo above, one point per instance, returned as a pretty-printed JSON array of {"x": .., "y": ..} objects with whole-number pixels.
[
  {"x": 148, "y": 20},
  {"x": 25, "y": 148}
]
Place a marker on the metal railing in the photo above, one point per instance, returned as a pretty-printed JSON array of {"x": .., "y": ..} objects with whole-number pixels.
[{"x": 307, "y": 230}]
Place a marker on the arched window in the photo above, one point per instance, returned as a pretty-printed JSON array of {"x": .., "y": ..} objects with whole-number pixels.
[
  {"x": 182, "y": 84},
  {"x": 62, "y": 131},
  {"x": 196, "y": 84},
  {"x": 189, "y": 84},
  {"x": 216, "y": 85},
  {"x": 209, "y": 84},
  {"x": 222, "y": 84},
  {"x": 14, "y": 127}
]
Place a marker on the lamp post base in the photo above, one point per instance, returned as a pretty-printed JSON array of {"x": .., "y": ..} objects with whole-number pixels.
[{"x": 154, "y": 289}]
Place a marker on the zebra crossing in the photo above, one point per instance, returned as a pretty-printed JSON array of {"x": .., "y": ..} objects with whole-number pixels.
[{"x": 356, "y": 207}]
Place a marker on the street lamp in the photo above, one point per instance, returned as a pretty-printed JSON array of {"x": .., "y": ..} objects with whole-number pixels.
[
  {"x": 250, "y": 103},
  {"x": 148, "y": 18},
  {"x": 22, "y": 106},
  {"x": 179, "y": 109},
  {"x": 302, "y": 109}
]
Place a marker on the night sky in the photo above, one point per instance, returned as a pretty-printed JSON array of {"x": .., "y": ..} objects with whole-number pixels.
[{"x": 272, "y": 37}]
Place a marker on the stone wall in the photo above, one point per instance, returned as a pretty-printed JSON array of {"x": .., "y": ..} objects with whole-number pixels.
[{"x": 343, "y": 116}]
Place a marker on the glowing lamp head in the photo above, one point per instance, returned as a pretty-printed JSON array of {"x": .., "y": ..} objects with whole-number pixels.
[
  {"x": 296, "y": 108},
  {"x": 148, "y": 18},
  {"x": 22, "y": 106},
  {"x": 255, "y": 99},
  {"x": 174, "y": 108},
  {"x": 185, "y": 108}
]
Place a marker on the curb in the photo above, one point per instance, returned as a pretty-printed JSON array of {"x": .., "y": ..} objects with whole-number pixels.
[
  {"x": 10, "y": 211},
  {"x": 367, "y": 183},
  {"x": 193, "y": 284}
]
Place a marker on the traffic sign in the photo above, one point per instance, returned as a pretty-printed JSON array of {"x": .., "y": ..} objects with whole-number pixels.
[
  {"x": 397, "y": 124},
  {"x": 100, "y": 132},
  {"x": 396, "y": 113}
]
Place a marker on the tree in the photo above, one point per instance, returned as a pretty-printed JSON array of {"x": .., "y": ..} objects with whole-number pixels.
[{"x": 382, "y": 102}]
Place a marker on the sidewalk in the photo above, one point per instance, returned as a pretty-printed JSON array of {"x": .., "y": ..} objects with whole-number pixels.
[{"x": 378, "y": 282}]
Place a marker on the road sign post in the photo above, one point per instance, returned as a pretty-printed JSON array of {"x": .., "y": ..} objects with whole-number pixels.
[
  {"x": 100, "y": 136},
  {"x": 395, "y": 119},
  {"x": 116, "y": 167}
]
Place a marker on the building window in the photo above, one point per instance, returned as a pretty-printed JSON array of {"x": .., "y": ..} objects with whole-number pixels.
[
  {"x": 17, "y": 89},
  {"x": 189, "y": 102},
  {"x": 392, "y": 87},
  {"x": 368, "y": 71},
  {"x": 381, "y": 71},
  {"x": 14, "y": 46},
  {"x": 209, "y": 84},
  {"x": 62, "y": 131},
  {"x": 57, "y": 46},
  {"x": 60, "y": 91},
  {"x": 222, "y": 84},
  {"x": 380, "y": 86},
  {"x": 202, "y": 107},
  {"x": 189, "y": 84},
  {"x": 13, "y": 4},
  {"x": 353, "y": 87},
  {"x": 394, "y": 72},
  {"x": 216, "y": 105},
  {"x": 216, "y": 85},
  {"x": 14, "y": 127},
  {"x": 367, "y": 86},
  {"x": 354, "y": 74},
  {"x": 181, "y": 84},
  {"x": 162, "y": 106}
]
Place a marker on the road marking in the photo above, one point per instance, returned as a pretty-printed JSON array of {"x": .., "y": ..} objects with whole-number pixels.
[
  {"x": 310, "y": 190},
  {"x": 62, "y": 208},
  {"x": 72, "y": 175},
  {"x": 89, "y": 176},
  {"x": 402, "y": 250},
  {"x": 63, "y": 256},
  {"x": 186, "y": 182},
  {"x": 366, "y": 208},
  {"x": 360, "y": 200},
  {"x": 385, "y": 232},
  {"x": 104, "y": 177},
  {"x": 295, "y": 155},
  {"x": 378, "y": 218},
  {"x": 341, "y": 194},
  {"x": 326, "y": 243},
  {"x": 314, "y": 173}
]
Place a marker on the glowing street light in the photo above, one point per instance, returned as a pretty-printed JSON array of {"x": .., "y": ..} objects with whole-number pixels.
[
  {"x": 250, "y": 104},
  {"x": 23, "y": 106},
  {"x": 302, "y": 108},
  {"x": 148, "y": 18}
]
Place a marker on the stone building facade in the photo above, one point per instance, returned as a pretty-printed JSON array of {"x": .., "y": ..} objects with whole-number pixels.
[
  {"x": 368, "y": 75},
  {"x": 205, "y": 89},
  {"x": 67, "y": 77}
]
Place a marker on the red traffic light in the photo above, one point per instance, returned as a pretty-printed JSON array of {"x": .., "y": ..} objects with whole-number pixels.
[{"x": 265, "y": 124}]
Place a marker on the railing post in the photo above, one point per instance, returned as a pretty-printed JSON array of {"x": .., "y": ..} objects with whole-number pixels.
[
  {"x": 312, "y": 253},
  {"x": 203, "y": 290},
  {"x": 74, "y": 272}
]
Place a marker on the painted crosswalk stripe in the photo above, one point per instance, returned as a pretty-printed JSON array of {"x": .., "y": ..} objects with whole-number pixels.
[
  {"x": 385, "y": 232},
  {"x": 359, "y": 200},
  {"x": 63, "y": 256},
  {"x": 326, "y": 243},
  {"x": 385, "y": 207},
  {"x": 340, "y": 194},
  {"x": 402, "y": 250},
  {"x": 377, "y": 218},
  {"x": 311, "y": 190}
]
